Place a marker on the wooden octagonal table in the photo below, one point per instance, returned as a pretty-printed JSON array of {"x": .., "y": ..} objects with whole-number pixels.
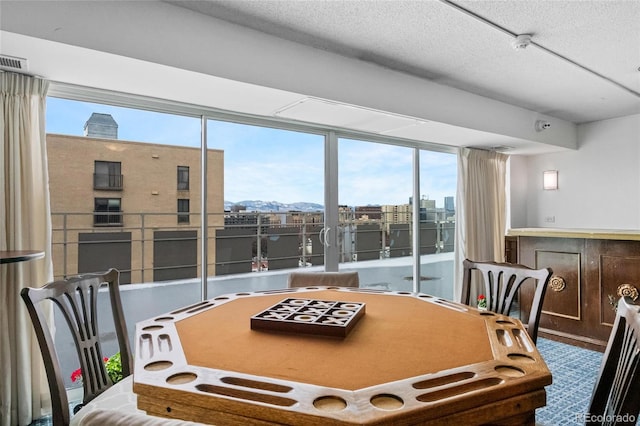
[{"x": 273, "y": 357}]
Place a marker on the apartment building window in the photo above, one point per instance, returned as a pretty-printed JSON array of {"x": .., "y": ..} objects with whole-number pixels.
[
  {"x": 183, "y": 178},
  {"x": 107, "y": 212},
  {"x": 107, "y": 175},
  {"x": 183, "y": 210}
]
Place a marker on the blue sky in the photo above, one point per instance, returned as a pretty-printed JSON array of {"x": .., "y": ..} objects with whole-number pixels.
[{"x": 277, "y": 165}]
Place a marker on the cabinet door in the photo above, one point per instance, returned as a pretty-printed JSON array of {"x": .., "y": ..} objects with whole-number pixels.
[
  {"x": 563, "y": 310},
  {"x": 613, "y": 269}
]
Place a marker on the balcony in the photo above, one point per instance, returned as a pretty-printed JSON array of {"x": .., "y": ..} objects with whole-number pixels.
[
  {"x": 101, "y": 218},
  {"x": 108, "y": 182}
]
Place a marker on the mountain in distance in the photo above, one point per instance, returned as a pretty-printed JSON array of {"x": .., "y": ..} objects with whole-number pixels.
[{"x": 274, "y": 206}]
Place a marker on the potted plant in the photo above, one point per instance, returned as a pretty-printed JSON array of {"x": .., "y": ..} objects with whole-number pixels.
[{"x": 113, "y": 366}]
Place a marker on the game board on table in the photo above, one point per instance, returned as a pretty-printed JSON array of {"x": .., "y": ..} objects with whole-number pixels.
[{"x": 316, "y": 317}]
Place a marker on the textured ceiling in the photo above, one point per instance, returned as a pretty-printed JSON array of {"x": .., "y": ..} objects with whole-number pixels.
[{"x": 467, "y": 45}]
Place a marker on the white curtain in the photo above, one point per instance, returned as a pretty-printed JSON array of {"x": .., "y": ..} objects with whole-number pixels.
[
  {"x": 481, "y": 209},
  {"x": 25, "y": 224}
]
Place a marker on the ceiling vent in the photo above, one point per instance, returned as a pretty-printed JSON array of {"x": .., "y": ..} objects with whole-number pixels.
[
  {"x": 497, "y": 148},
  {"x": 11, "y": 63}
]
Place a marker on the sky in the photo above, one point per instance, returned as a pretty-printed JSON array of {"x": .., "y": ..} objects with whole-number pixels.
[{"x": 274, "y": 164}]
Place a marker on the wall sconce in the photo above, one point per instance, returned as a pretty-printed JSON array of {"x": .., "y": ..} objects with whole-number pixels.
[{"x": 550, "y": 179}]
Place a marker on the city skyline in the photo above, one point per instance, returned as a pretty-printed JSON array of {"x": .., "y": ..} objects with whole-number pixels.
[{"x": 369, "y": 173}]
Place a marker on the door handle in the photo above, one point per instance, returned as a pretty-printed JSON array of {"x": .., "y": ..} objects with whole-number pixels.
[{"x": 322, "y": 236}]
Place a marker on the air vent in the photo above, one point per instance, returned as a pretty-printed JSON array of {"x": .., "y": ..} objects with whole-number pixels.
[{"x": 11, "y": 63}]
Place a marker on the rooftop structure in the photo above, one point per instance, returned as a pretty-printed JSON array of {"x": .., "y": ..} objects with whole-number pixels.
[{"x": 101, "y": 126}]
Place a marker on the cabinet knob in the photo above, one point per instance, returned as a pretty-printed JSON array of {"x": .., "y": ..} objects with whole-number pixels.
[
  {"x": 557, "y": 283},
  {"x": 628, "y": 290}
]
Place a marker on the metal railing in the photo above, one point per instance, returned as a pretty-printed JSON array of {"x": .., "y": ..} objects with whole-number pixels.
[{"x": 151, "y": 247}]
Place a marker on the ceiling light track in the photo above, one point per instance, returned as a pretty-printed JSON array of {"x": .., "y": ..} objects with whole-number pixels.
[{"x": 539, "y": 46}]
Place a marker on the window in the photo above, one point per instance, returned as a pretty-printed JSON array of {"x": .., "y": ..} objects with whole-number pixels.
[
  {"x": 375, "y": 186},
  {"x": 273, "y": 197},
  {"x": 279, "y": 196},
  {"x": 183, "y": 179},
  {"x": 183, "y": 207},
  {"x": 107, "y": 175},
  {"x": 110, "y": 206},
  {"x": 148, "y": 148}
]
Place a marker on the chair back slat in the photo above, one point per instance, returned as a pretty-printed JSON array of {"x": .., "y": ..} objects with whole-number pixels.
[
  {"x": 77, "y": 300},
  {"x": 501, "y": 283},
  {"x": 616, "y": 393}
]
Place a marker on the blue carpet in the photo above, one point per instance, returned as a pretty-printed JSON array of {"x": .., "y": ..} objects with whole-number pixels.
[{"x": 574, "y": 372}]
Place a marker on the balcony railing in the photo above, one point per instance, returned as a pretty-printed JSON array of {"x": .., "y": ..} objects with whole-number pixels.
[
  {"x": 106, "y": 181},
  {"x": 153, "y": 247},
  {"x": 101, "y": 218}
]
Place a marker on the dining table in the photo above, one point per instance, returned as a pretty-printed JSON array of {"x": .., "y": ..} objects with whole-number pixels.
[
  {"x": 15, "y": 256},
  {"x": 325, "y": 355}
]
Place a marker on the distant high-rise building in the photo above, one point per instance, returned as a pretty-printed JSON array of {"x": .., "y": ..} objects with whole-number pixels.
[
  {"x": 426, "y": 203},
  {"x": 101, "y": 126},
  {"x": 449, "y": 206}
]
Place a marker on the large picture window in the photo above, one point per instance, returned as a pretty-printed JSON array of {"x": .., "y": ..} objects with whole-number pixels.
[{"x": 279, "y": 196}]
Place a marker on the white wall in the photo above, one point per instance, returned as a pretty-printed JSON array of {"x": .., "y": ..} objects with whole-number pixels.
[{"x": 599, "y": 184}]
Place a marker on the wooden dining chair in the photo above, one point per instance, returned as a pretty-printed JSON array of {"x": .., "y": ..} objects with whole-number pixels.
[
  {"x": 501, "y": 283},
  {"x": 77, "y": 298},
  {"x": 340, "y": 279},
  {"x": 616, "y": 393}
]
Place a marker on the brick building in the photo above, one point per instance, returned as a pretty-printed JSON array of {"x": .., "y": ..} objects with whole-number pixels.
[{"x": 130, "y": 205}]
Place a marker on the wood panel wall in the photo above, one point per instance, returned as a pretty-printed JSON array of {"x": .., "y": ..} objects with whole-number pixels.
[{"x": 588, "y": 278}]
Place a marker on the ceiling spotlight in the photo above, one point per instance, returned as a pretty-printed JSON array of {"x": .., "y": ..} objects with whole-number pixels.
[{"x": 521, "y": 42}]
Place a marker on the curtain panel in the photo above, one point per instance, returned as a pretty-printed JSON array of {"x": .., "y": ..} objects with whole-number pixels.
[
  {"x": 25, "y": 224},
  {"x": 481, "y": 210}
]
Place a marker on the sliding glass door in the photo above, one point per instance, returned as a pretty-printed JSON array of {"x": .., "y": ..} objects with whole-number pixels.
[
  {"x": 438, "y": 180},
  {"x": 375, "y": 187},
  {"x": 272, "y": 214},
  {"x": 376, "y": 212}
]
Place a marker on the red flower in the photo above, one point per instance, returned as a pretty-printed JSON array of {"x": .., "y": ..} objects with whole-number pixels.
[
  {"x": 76, "y": 375},
  {"x": 481, "y": 297}
]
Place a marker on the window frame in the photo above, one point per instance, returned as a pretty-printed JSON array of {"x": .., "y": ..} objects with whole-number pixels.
[
  {"x": 114, "y": 179},
  {"x": 111, "y": 219},
  {"x": 182, "y": 217},
  {"x": 183, "y": 184},
  {"x": 331, "y": 133}
]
